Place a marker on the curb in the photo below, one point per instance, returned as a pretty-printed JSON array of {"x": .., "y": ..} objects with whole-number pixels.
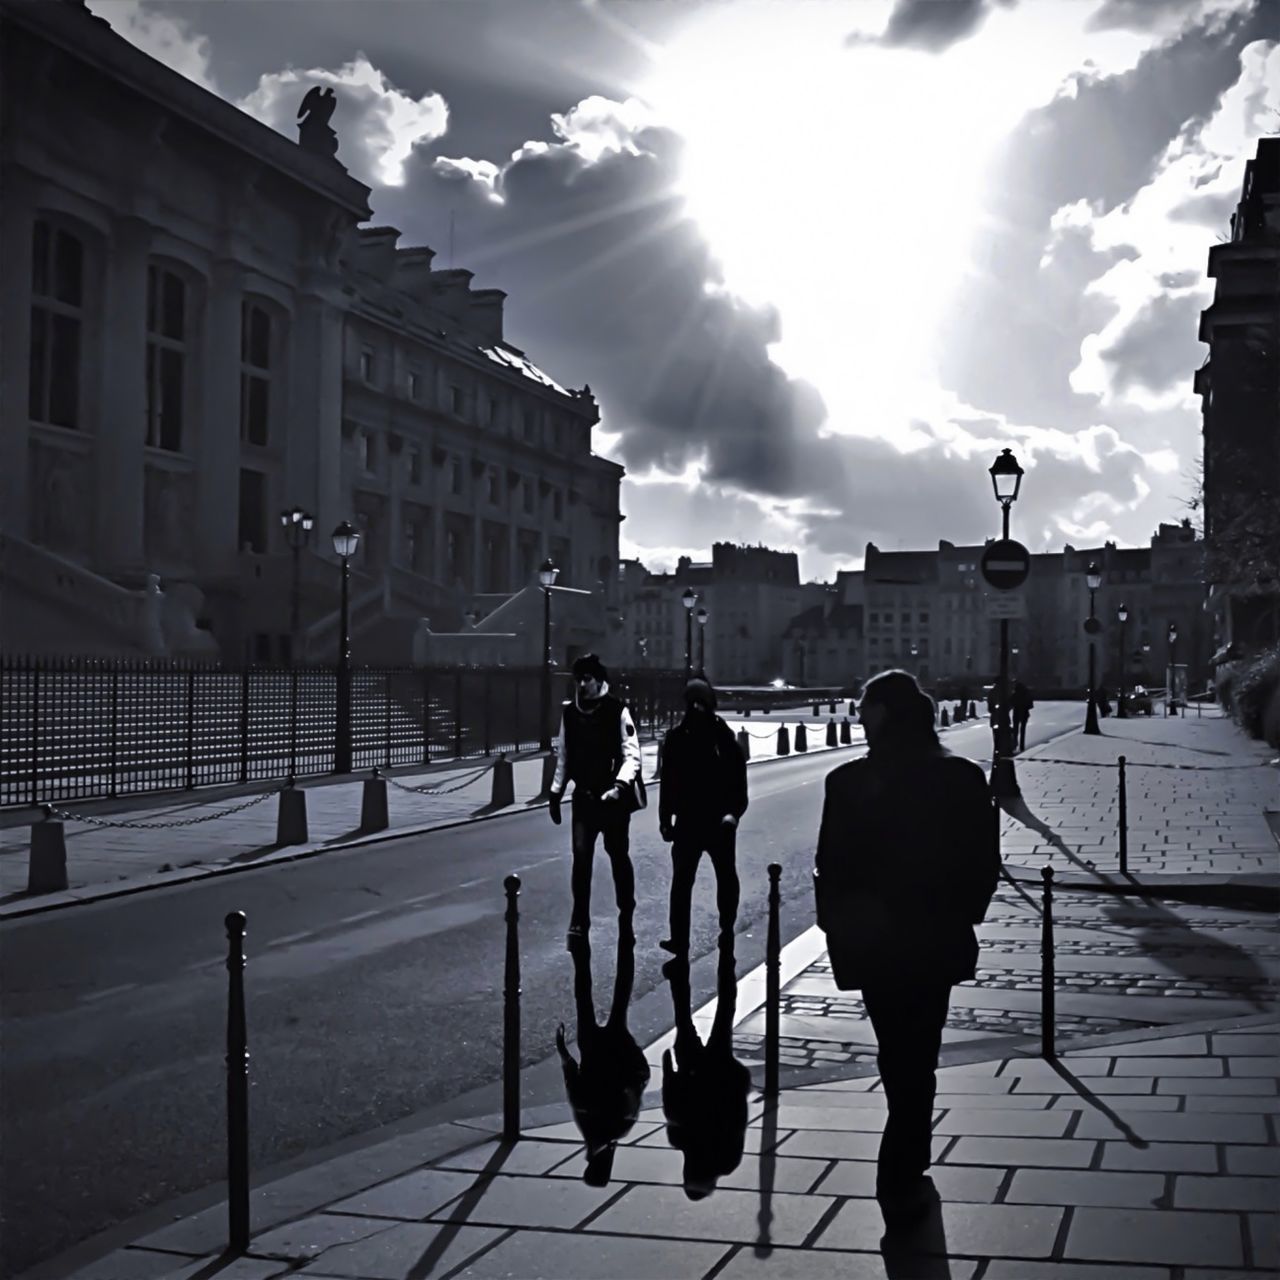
[{"x": 1248, "y": 889}]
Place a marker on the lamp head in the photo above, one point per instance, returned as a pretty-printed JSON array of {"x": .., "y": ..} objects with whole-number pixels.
[
  {"x": 689, "y": 599},
  {"x": 1093, "y": 576},
  {"x": 1006, "y": 477},
  {"x": 547, "y": 572},
  {"x": 1123, "y": 613},
  {"x": 346, "y": 538},
  {"x": 702, "y": 616},
  {"x": 1173, "y": 632}
]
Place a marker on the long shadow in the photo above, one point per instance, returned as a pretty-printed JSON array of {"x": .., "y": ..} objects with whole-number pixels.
[
  {"x": 1200, "y": 751},
  {"x": 1096, "y": 1102},
  {"x": 768, "y": 1175},
  {"x": 918, "y": 1252},
  {"x": 1018, "y": 809}
]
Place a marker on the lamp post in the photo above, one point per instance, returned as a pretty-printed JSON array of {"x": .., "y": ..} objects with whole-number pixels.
[
  {"x": 1013, "y": 665},
  {"x": 689, "y": 599},
  {"x": 346, "y": 538},
  {"x": 800, "y": 656},
  {"x": 702, "y": 616},
  {"x": 1122, "y": 614},
  {"x": 1093, "y": 579},
  {"x": 547, "y": 573},
  {"x": 914, "y": 654},
  {"x": 1170, "y": 705},
  {"x": 1006, "y": 480},
  {"x": 297, "y": 533}
]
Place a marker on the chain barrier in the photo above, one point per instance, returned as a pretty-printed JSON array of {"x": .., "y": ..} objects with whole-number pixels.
[
  {"x": 1138, "y": 764},
  {"x": 467, "y": 780},
  {"x": 54, "y": 811}
]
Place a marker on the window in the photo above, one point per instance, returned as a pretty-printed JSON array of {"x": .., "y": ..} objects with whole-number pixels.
[
  {"x": 530, "y": 420},
  {"x": 924, "y": 619},
  {"x": 57, "y": 313},
  {"x": 494, "y": 484},
  {"x": 494, "y": 410},
  {"x": 455, "y": 480},
  {"x": 366, "y": 450},
  {"x": 166, "y": 357},
  {"x": 906, "y": 619},
  {"x": 457, "y": 402},
  {"x": 253, "y": 511},
  {"x": 557, "y": 504},
  {"x": 255, "y": 373},
  {"x": 415, "y": 384},
  {"x": 415, "y": 464},
  {"x": 874, "y": 619},
  {"x": 367, "y": 366},
  {"x": 528, "y": 494},
  {"x": 413, "y": 545}
]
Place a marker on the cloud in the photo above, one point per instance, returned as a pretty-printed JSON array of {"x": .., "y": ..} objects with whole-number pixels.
[
  {"x": 166, "y": 38},
  {"x": 934, "y": 26},
  {"x": 377, "y": 124}
]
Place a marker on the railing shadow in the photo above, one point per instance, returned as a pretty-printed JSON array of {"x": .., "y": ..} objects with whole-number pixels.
[{"x": 1097, "y": 1103}]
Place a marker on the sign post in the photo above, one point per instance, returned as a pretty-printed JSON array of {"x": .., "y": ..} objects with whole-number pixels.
[{"x": 1005, "y": 565}]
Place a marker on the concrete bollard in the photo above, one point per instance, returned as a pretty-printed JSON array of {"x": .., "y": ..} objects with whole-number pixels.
[
  {"x": 846, "y": 733},
  {"x": 972, "y": 713},
  {"x": 817, "y": 710},
  {"x": 831, "y": 733},
  {"x": 291, "y": 820},
  {"x": 853, "y": 709},
  {"x": 744, "y": 744},
  {"x": 373, "y": 805},
  {"x": 784, "y": 741},
  {"x": 802, "y": 737},
  {"x": 504, "y": 784},
  {"x": 945, "y": 719},
  {"x": 831, "y": 708},
  {"x": 47, "y": 868}
]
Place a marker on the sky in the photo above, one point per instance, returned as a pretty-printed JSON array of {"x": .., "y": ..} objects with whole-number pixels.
[{"x": 819, "y": 260}]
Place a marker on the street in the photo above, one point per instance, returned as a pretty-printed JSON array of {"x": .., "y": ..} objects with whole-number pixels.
[{"x": 374, "y": 994}]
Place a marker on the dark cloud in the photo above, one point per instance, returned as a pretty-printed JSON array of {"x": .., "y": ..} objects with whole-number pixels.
[
  {"x": 1141, "y": 15},
  {"x": 1159, "y": 348},
  {"x": 934, "y": 25}
]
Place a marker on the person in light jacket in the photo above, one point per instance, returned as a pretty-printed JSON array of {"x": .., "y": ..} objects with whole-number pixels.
[
  {"x": 907, "y": 864},
  {"x": 598, "y": 750}
]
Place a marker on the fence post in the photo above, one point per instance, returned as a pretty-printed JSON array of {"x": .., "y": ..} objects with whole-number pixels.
[
  {"x": 457, "y": 714},
  {"x": 293, "y": 722},
  {"x": 1124, "y": 821},
  {"x": 488, "y": 725},
  {"x": 191, "y": 728},
  {"x": 115, "y": 730},
  {"x": 244, "y": 724},
  {"x": 1047, "y": 979},
  {"x": 511, "y": 1017},
  {"x": 237, "y": 1089},
  {"x": 517, "y": 742},
  {"x": 773, "y": 985},
  {"x": 35, "y": 733},
  {"x": 426, "y": 716},
  {"x": 386, "y": 728}
]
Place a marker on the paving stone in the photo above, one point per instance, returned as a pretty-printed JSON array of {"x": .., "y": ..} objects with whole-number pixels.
[
  {"x": 1102, "y": 1085},
  {"x": 1131, "y": 1102},
  {"x": 831, "y": 1146},
  {"x": 1168, "y": 1067},
  {"x": 1253, "y": 1086},
  {"x": 993, "y": 1102},
  {"x": 1155, "y": 1235},
  {"x": 1163, "y": 1157},
  {"x": 525, "y": 1156},
  {"x": 1146, "y": 1048},
  {"x": 1252, "y": 1067},
  {"x": 1021, "y": 1153},
  {"x": 1260, "y": 1160},
  {"x": 312, "y": 1235},
  {"x": 653, "y": 1164},
  {"x": 734, "y": 1216},
  {"x": 832, "y": 1119},
  {"x": 1001, "y": 1269},
  {"x": 1084, "y": 1186},
  {"x": 548, "y": 1255},
  {"x": 401, "y": 1251},
  {"x": 411, "y": 1197},
  {"x": 1043, "y": 1074},
  {"x": 978, "y": 1230},
  {"x": 977, "y": 1184},
  {"x": 528, "y": 1202},
  {"x": 237, "y": 1269},
  {"x": 1243, "y": 1042},
  {"x": 858, "y": 1084},
  {"x": 1166, "y": 1126},
  {"x": 1224, "y": 1192},
  {"x": 1260, "y": 1106},
  {"x": 1004, "y": 1124},
  {"x": 1264, "y": 1235},
  {"x": 830, "y": 1264},
  {"x": 147, "y": 1264},
  {"x": 827, "y": 1098}
]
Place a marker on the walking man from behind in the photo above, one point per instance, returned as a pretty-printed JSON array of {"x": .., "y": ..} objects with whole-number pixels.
[
  {"x": 1022, "y": 704},
  {"x": 597, "y": 749},
  {"x": 702, "y": 800}
]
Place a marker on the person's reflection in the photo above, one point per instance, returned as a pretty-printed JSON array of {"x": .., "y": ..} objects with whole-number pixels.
[
  {"x": 606, "y": 1085},
  {"x": 704, "y": 1087}
]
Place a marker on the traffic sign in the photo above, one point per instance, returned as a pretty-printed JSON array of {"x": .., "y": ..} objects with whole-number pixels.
[
  {"x": 1008, "y": 604},
  {"x": 1005, "y": 564},
  {"x": 1092, "y": 626}
]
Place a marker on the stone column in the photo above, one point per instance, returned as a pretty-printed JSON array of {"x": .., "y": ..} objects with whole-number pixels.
[
  {"x": 17, "y": 218},
  {"x": 217, "y": 445}
]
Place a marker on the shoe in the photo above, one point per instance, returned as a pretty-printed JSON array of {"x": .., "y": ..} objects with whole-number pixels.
[
  {"x": 904, "y": 1204},
  {"x": 676, "y": 948}
]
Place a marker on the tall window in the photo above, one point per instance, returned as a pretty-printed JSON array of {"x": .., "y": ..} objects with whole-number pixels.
[
  {"x": 415, "y": 464},
  {"x": 366, "y": 365},
  {"x": 457, "y": 402},
  {"x": 166, "y": 357},
  {"x": 253, "y": 511},
  {"x": 455, "y": 475},
  {"x": 255, "y": 373},
  {"x": 415, "y": 384},
  {"x": 57, "y": 313}
]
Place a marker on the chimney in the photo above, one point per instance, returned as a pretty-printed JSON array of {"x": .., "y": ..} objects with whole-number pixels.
[
  {"x": 484, "y": 315},
  {"x": 413, "y": 272},
  {"x": 450, "y": 292},
  {"x": 376, "y": 251}
]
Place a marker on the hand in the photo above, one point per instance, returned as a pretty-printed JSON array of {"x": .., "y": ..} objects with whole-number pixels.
[
  {"x": 729, "y": 821},
  {"x": 613, "y": 794},
  {"x": 553, "y": 808},
  {"x": 666, "y": 831}
]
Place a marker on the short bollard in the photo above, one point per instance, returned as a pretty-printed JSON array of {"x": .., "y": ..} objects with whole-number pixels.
[
  {"x": 831, "y": 708},
  {"x": 817, "y": 710},
  {"x": 784, "y": 741},
  {"x": 995, "y": 823},
  {"x": 291, "y": 820},
  {"x": 944, "y": 720},
  {"x": 744, "y": 744},
  {"x": 1047, "y": 978},
  {"x": 802, "y": 737},
  {"x": 47, "y": 867},
  {"x": 772, "y": 984},
  {"x": 237, "y": 1089},
  {"x": 504, "y": 783},
  {"x": 972, "y": 713},
  {"x": 1123, "y": 821},
  {"x": 846, "y": 733},
  {"x": 831, "y": 733},
  {"x": 511, "y": 1017},
  {"x": 373, "y": 805},
  {"x": 853, "y": 709}
]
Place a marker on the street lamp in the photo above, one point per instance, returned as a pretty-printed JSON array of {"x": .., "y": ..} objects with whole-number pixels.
[
  {"x": 297, "y": 533},
  {"x": 346, "y": 538},
  {"x": 914, "y": 653},
  {"x": 547, "y": 574},
  {"x": 1014, "y": 663},
  {"x": 1122, "y": 614},
  {"x": 702, "y": 616},
  {"x": 1006, "y": 480},
  {"x": 1093, "y": 579},
  {"x": 1170, "y": 706},
  {"x": 689, "y": 599}
]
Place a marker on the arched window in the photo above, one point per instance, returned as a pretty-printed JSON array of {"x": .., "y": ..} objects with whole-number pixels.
[
  {"x": 168, "y": 338},
  {"x": 257, "y": 366},
  {"x": 57, "y": 318}
]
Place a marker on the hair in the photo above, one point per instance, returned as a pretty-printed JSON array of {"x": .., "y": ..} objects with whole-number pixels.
[
  {"x": 698, "y": 689},
  {"x": 911, "y": 712},
  {"x": 590, "y": 665}
]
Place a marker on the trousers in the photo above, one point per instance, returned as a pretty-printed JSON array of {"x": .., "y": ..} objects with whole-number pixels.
[
  {"x": 720, "y": 844},
  {"x": 593, "y": 818}
]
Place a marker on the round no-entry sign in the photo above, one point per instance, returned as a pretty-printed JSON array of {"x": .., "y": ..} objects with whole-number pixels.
[{"x": 1005, "y": 564}]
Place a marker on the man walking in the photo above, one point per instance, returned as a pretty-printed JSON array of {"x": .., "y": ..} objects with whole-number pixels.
[
  {"x": 1022, "y": 704},
  {"x": 702, "y": 800},
  {"x": 598, "y": 751}
]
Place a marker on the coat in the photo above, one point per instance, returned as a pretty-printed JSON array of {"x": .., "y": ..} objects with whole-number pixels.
[
  {"x": 907, "y": 863},
  {"x": 704, "y": 776}
]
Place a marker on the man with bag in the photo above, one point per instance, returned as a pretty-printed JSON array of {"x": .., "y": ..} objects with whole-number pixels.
[
  {"x": 907, "y": 864},
  {"x": 597, "y": 749},
  {"x": 701, "y": 801}
]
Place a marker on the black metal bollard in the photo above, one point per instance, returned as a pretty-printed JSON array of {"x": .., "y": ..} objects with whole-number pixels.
[
  {"x": 773, "y": 984},
  {"x": 846, "y": 733},
  {"x": 237, "y": 1089},
  {"x": 744, "y": 744},
  {"x": 995, "y": 823},
  {"x": 1047, "y": 979},
  {"x": 511, "y": 1017},
  {"x": 817, "y": 710},
  {"x": 802, "y": 737},
  {"x": 1124, "y": 821},
  {"x": 831, "y": 733},
  {"x": 784, "y": 741},
  {"x": 945, "y": 719}
]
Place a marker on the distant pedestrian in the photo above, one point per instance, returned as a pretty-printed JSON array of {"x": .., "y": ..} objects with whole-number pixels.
[
  {"x": 1022, "y": 704},
  {"x": 907, "y": 863},
  {"x": 598, "y": 751},
  {"x": 1104, "y": 701},
  {"x": 702, "y": 799}
]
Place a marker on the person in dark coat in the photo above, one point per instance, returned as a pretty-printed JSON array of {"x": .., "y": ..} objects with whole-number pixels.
[
  {"x": 1022, "y": 704},
  {"x": 702, "y": 799},
  {"x": 598, "y": 751},
  {"x": 907, "y": 864}
]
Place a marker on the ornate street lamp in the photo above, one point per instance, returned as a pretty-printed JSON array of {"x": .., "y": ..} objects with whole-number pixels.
[
  {"x": 689, "y": 599},
  {"x": 702, "y": 616},
  {"x": 1093, "y": 579},
  {"x": 1006, "y": 479},
  {"x": 914, "y": 653},
  {"x": 1122, "y": 615},
  {"x": 297, "y": 526},
  {"x": 1170, "y": 705},
  {"x": 346, "y": 538},
  {"x": 547, "y": 574},
  {"x": 1013, "y": 664}
]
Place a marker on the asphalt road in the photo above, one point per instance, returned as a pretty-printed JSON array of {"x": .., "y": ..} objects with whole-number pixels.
[{"x": 374, "y": 993}]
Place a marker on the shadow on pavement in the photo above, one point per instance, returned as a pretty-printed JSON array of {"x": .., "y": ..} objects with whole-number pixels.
[
  {"x": 1096, "y": 1102},
  {"x": 1018, "y": 809},
  {"x": 918, "y": 1252}
]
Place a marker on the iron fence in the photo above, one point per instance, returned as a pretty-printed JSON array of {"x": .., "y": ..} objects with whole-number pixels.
[{"x": 80, "y": 728}]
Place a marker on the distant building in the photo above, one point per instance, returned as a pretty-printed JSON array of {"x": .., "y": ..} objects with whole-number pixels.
[{"x": 824, "y": 646}]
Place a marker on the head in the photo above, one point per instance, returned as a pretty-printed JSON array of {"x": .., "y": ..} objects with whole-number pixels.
[
  {"x": 700, "y": 698},
  {"x": 589, "y": 675},
  {"x": 895, "y": 711}
]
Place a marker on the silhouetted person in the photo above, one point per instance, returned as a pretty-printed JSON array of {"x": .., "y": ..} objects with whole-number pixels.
[
  {"x": 607, "y": 1083},
  {"x": 702, "y": 798},
  {"x": 704, "y": 1087},
  {"x": 598, "y": 751},
  {"x": 907, "y": 864},
  {"x": 1103, "y": 700},
  {"x": 1022, "y": 704}
]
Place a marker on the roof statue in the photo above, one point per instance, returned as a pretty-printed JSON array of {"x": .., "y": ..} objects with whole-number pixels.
[{"x": 314, "y": 133}]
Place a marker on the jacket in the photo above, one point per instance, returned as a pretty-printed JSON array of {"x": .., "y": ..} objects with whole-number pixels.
[
  {"x": 907, "y": 863},
  {"x": 596, "y": 747},
  {"x": 703, "y": 777}
]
